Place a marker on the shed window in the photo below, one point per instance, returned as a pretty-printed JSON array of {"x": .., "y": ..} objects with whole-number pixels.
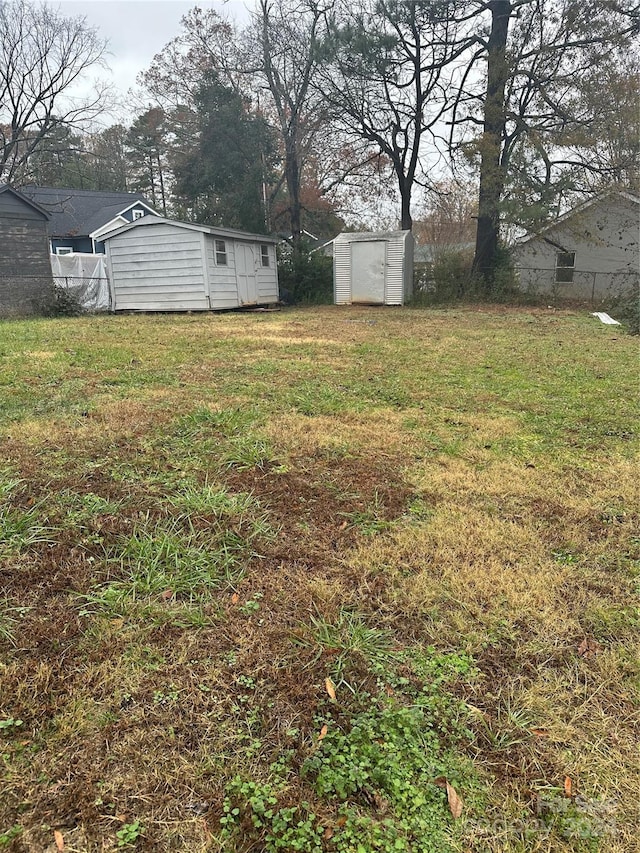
[
  {"x": 64, "y": 250},
  {"x": 264, "y": 255},
  {"x": 138, "y": 214},
  {"x": 221, "y": 253},
  {"x": 565, "y": 266}
]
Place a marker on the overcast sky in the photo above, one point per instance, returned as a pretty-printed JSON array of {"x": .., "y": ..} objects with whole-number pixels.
[{"x": 138, "y": 29}]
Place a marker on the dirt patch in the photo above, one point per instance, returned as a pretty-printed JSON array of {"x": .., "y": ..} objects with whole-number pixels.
[{"x": 319, "y": 502}]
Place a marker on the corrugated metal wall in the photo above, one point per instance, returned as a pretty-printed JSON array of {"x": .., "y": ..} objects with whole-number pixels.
[
  {"x": 342, "y": 273},
  {"x": 394, "y": 278}
]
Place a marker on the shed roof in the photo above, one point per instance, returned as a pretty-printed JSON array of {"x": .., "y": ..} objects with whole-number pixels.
[
  {"x": 4, "y": 188},
  {"x": 76, "y": 213},
  {"x": 231, "y": 233},
  {"x": 364, "y": 236}
]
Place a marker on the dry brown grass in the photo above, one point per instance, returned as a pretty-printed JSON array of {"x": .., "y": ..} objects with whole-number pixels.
[{"x": 465, "y": 480}]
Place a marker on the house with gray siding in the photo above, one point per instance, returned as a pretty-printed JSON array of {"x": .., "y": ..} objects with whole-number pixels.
[
  {"x": 591, "y": 253},
  {"x": 157, "y": 264},
  {"x": 26, "y": 282},
  {"x": 79, "y": 219}
]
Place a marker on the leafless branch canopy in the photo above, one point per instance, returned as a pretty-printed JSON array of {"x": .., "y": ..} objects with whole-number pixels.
[{"x": 44, "y": 56}]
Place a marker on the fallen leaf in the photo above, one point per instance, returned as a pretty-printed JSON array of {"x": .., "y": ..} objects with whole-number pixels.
[
  {"x": 328, "y": 833},
  {"x": 455, "y": 802},
  {"x": 343, "y": 526},
  {"x": 540, "y": 732},
  {"x": 380, "y": 803},
  {"x": 122, "y": 818},
  {"x": 341, "y": 821},
  {"x": 59, "y": 839},
  {"x": 589, "y": 648},
  {"x": 330, "y": 688},
  {"x": 323, "y": 732},
  {"x": 167, "y": 594},
  {"x": 568, "y": 787},
  {"x": 235, "y": 598}
]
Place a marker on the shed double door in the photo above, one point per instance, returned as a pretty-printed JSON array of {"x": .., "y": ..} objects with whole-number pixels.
[{"x": 246, "y": 274}]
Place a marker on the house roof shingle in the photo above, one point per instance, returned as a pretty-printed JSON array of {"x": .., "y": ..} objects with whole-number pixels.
[{"x": 76, "y": 213}]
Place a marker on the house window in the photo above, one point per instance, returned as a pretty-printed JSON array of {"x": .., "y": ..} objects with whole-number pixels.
[
  {"x": 264, "y": 255},
  {"x": 565, "y": 266},
  {"x": 64, "y": 250},
  {"x": 138, "y": 214},
  {"x": 221, "y": 253}
]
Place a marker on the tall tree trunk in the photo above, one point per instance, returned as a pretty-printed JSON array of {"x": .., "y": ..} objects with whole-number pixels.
[
  {"x": 406, "y": 220},
  {"x": 292, "y": 175},
  {"x": 163, "y": 198},
  {"x": 491, "y": 171}
]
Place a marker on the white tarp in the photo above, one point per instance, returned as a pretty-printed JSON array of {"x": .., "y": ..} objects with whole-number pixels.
[
  {"x": 605, "y": 318},
  {"x": 84, "y": 277}
]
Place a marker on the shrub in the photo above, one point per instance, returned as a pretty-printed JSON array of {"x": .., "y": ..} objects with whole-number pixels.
[
  {"x": 305, "y": 277},
  {"x": 626, "y": 308},
  {"x": 449, "y": 278},
  {"x": 63, "y": 304}
]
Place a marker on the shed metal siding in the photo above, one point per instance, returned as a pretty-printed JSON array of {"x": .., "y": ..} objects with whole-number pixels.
[
  {"x": 342, "y": 272},
  {"x": 394, "y": 291}
]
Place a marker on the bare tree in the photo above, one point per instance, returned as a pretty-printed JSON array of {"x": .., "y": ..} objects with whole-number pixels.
[
  {"x": 288, "y": 36},
  {"x": 536, "y": 52},
  {"x": 387, "y": 79},
  {"x": 43, "y": 56},
  {"x": 206, "y": 43}
]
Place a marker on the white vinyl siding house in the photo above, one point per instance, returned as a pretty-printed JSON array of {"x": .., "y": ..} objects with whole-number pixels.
[
  {"x": 591, "y": 253},
  {"x": 373, "y": 268},
  {"x": 158, "y": 264}
]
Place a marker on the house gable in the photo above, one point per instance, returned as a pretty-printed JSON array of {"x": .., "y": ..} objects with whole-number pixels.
[
  {"x": 26, "y": 284},
  {"x": 76, "y": 214},
  {"x": 591, "y": 252}
]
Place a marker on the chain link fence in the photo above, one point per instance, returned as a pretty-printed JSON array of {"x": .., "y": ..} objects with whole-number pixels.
[
  {"x": 590, "y": 286},
  {"x": 22, "y": 295}
]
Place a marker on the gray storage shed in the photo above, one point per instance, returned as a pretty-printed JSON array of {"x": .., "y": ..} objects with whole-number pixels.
[
  {"x": 373, "y": 268},
  {"x": 26, "y": 283},
  {"x": 157, "y": 264}
]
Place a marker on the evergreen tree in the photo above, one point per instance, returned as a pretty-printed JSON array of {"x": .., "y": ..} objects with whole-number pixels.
[{"x": 223, "y": 180}]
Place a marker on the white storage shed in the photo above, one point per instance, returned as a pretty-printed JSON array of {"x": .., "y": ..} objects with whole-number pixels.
[
  {"x": 373, "y": 268},
  {"x": 157, "y": 264}
]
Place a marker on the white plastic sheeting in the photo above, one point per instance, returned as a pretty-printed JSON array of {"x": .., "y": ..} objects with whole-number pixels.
[
  {"x": 605, "y": 318},
  {"x": 84, "y": 277}
]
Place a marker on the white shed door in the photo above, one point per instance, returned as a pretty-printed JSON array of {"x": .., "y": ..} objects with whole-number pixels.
[
  {"x": 367, "y": 271},
  {"x": 246, "y": 274}
]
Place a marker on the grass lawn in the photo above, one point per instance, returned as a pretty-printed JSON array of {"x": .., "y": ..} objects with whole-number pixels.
[{"x": 335, "y": 579}]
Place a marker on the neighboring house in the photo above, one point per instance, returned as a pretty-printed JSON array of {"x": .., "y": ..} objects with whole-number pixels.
[
  {"x": 590, "y": 253},
  {"x": 26, "y": 283},
  {"x": 157, "y": 264},
  {"x": 79, "y": 219}
]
